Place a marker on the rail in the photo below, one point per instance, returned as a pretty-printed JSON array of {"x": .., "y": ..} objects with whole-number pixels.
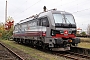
[{"x": 15, "y": 54}]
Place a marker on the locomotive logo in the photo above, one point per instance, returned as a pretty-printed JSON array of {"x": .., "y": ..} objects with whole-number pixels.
[{"x": 65, "y": 32}]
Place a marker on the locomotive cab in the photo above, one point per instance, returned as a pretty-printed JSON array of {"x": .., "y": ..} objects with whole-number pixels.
[{"x": 62, "y": 31}]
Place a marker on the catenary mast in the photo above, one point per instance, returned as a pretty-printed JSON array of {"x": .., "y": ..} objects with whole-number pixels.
[{"x": 6, "y": 12}]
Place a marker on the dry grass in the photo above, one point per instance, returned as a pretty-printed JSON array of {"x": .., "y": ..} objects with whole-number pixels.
[
  {"x": 84, "y": 45},
  {"x": 85, "y": 40},
  {"x": 39, "y": 55}
]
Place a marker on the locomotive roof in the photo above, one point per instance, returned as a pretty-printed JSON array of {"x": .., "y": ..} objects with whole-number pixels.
[
  {"x": 42, "y": 14},
  {"x": 53, "y": 11},
  {"x": 56, "y": 11}
]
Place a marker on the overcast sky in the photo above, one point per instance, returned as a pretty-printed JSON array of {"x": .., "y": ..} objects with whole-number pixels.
[{"x": 21, "y": 9}]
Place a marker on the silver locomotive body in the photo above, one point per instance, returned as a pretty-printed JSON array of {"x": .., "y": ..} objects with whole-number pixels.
[{"x": 52, "y": 29}]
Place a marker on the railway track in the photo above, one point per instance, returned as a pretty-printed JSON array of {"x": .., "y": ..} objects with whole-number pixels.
[
  {"x": 8, "y": 54},
  {"x": 75, "y": 54},
  {"x": 72, "y": 55}
]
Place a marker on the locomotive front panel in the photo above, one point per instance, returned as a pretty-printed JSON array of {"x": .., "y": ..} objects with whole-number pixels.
[{"x": 63, "y": 31}]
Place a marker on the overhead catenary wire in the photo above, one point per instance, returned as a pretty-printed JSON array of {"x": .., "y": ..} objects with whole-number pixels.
[
  {"x": 35, "y": 4},
  {"x": 66, "y": 3},
  {"x": 81, "y": 10},
  {"x": 62, "y": 5},
  {"x": 29, "y": 7},
  {"x": 17, "y": 8},
  {"x": 8, "y": 3},
  {"x": 20, "y": 6},
  {"x": 77, "y": 4}
]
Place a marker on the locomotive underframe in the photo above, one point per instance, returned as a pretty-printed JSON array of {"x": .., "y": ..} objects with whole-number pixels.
[{"x": 55, "y": 44}]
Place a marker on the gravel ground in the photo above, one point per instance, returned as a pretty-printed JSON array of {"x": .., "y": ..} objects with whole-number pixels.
[
  {"x": 29, "y": 53},
  {"x": 6, "y": 55}
]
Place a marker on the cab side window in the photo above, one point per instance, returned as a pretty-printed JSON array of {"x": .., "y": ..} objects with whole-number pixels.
[{"x": 44, "y": 22}]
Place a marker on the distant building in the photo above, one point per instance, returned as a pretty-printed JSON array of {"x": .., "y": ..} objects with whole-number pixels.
[{"x": 79, "y": 30}]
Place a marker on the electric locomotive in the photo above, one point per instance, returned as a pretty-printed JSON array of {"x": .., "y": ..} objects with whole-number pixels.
[{"x": 50, "y": 29}]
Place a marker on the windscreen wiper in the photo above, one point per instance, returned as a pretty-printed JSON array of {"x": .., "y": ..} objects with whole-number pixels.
[{"x": 69, "y": 22}]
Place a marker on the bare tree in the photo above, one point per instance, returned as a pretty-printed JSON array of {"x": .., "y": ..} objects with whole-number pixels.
[{"x": 88, "y": 29}]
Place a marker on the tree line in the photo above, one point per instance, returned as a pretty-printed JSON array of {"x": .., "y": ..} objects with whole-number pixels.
[{"x": 6, "y": 29}]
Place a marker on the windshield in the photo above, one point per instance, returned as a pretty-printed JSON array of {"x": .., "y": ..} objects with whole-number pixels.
[
  {"x": 59, "y": 18},
  {"x": 69, "y": 19}
]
